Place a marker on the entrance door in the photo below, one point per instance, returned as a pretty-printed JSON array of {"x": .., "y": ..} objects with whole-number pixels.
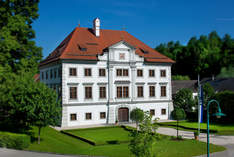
[{"x": 123, "y": 114}]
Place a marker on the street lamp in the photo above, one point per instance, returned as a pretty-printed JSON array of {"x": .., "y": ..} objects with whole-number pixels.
[{"x": 218, "y": 114}]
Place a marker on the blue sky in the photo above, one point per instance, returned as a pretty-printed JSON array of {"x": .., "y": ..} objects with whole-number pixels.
[{"x": 151, "y": 21}]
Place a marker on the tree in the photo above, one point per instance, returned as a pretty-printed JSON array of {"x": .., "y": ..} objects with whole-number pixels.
[
  {"x": 18, "y": 50},
  {"x": 184, "y": 99},
  {"x": 226, "y": 101},
  {"x": 137, "y": 115},
  {"x": 204, "y": 55},
  {"x": 47, "y": 110},
  {"x": 178, "y": 114},
  {"x": 27, "y": 103},
  {"x": 180, "y": 77},
  {"x": 226, "y": 72},
  {"x": 141, "y": 144},
  {"x": 208, "y": 92}
]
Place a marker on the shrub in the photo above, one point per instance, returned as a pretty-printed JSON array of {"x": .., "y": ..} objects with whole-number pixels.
[
  {"x": 196, "y": 133},
  {"x": 12, "y": 140},
  {"x": 226, "y": 101}
]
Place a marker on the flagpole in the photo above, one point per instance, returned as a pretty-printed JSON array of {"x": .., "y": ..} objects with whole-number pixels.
[{"x": 198, "y": 107}]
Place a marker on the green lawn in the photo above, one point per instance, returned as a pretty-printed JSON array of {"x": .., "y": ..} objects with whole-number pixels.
[
  {"x": 102, "y": 135},
  {"x": 222, "y": 129},
  {"x": 56, "y": 142}
]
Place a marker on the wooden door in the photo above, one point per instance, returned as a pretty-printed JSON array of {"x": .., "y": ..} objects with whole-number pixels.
[{"x": 123, "y": 114}]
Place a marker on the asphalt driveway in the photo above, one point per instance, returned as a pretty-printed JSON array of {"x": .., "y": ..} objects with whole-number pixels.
[{"x": 19, "y": 153}]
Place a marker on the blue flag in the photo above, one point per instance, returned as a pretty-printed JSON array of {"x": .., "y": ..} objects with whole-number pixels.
[{"x": 201, "y": 104}]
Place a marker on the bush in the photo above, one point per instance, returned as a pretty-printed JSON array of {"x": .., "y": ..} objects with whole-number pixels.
[
  {"x": 226, "y": 101},
  {"x": 12, "y": 140}
]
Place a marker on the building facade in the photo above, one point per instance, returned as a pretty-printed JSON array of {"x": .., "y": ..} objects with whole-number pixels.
[{"x": 102, "y": 75}]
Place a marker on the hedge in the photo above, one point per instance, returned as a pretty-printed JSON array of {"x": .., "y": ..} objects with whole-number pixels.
[{"x": 13, "y": 140}]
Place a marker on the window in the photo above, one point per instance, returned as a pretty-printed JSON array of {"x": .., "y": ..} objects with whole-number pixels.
[
  {"x": 88, "y": 92},
  {"x": 139, "y": 73},
  {"x": 125, "y": 92},
  {"x": 46, "y": 74},
  {"x": 102, "y": 115},
  {"x": 163, "y": 111},
  {"x": 121, "y": 56},
  {"x": 122, "y": 92},
  {"x": 152, "y": 112},
  {"x": 122, "y": 72},
  {"x": 102, "y": 72},
  {"x": 73, "y": 117},
  {"x": 42, "y": 75},
  {"x": 51, "y": 73},
  {"x": 163, "y": 91},
  {"x": 125, "y": 72},
  {"x": 102, "y": 92},
  {"x": 119, "y": 72},
  {"x": 72, "y": 71},
  {"x": 140, "y": 91},
  {"x": 73, "y": 92},
  {"x": 151, "y": 73},
  {"x": 163, "y": 73},
  {"x": 88, "y": 116},
  {"x": 55, "y": 73},
  {"x": 119, "y": 92},
  {"x": 152, "y": 91},
  {"x": 88, "y": 72}
]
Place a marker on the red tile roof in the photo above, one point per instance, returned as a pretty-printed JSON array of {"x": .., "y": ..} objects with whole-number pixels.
[{"x": 83, "y": 38}]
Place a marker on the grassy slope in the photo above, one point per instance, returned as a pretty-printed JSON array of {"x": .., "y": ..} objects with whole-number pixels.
[
  {"x": 56, "y": 142},
  {"x": 102, "y": 134},
  {"x": 222, "y": 129}
]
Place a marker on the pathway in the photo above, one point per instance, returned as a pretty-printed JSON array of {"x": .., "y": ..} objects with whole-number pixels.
[{"x": 20, "y": 153}]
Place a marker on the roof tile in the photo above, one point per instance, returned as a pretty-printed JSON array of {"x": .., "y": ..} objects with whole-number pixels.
[{"x": 84, "y": 38}]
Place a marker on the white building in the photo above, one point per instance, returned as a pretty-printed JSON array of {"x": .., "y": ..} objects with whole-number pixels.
[{"x": 101, "y": 75}]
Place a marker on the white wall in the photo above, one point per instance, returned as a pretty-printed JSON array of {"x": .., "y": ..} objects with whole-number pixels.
[
  {"x": 96, "y": 109},
  {"x": 132, "y": 62}
]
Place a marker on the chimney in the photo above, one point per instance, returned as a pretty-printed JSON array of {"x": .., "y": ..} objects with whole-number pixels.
[{"x": 96, "y": 27}]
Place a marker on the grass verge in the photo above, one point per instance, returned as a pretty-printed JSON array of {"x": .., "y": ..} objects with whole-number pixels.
[
  {"x": 101, "y": 135},
  {"x": 56, "y": 142}
]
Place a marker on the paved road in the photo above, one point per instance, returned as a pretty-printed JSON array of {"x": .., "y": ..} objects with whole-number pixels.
[
  {"x": 215, "y": 139},
  {"x": 18, "y": 153}
]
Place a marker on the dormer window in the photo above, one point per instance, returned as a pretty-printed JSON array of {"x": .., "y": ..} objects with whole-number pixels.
[
  {"x": 82, "y": 47},
  {"x": 144, "y": 51}
]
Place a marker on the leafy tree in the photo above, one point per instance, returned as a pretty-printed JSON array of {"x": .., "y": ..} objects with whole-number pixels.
[
  {"x": 27, "y": 103},
  {"x": 226, "y": 101},
  {"x": 180, "y": 77},
  {"x": 137, "y": 115},
  {"x": 18, "y": 50},
  {"x": 226, "y": 72},
  {"x": 208, "y": 92},
  {"x": 178, "y": 114},
  {"x": 204, "y": 55},
  {"x": 141, "y": 144},
  {"x": 47, "y": 110},
  {"x": 184, "y": 99}
]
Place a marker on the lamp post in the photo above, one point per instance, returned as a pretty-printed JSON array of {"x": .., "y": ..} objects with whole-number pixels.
[{"x": 218, "y": 114}]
